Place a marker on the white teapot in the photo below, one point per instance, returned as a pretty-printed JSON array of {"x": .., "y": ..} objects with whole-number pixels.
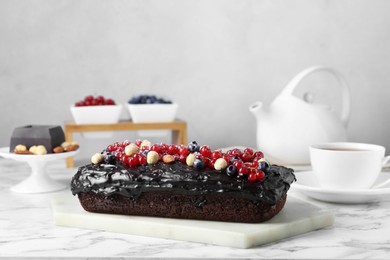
[{"x": 287, "y": 128}]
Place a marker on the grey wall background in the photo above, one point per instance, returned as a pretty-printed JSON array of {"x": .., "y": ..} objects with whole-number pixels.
[{"x": 214, "y": 58}]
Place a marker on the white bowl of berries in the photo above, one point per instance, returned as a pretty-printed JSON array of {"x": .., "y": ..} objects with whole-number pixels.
[
  {"x": 152, "y": 109},
  {"x": 96, "y": 110}
]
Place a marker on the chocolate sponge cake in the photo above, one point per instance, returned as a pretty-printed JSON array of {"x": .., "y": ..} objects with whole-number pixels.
[{"x": 183, "y": 182}]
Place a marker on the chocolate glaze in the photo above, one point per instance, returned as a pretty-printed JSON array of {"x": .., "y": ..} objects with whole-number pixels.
[{"x": 110, "y": 179}]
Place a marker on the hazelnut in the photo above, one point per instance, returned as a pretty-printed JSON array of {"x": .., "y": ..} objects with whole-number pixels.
[
  {"x": 65, "y": 144},
  {"x": 190, "y": 159},
  {"x": 33, "y": 149},
  {"x": 131, "y": 149},
  {"x": 97, "y": 158},
  {"x": 152, "y": 157},
  {"x": 40, "y": 150},
  {"x": 20, "y": 148},
  {"x": 145, "y": 143},
  {"x": 71, "y": 147},
  {"x": 58, "y": 149},
  {"x": 220, "y": 164},
  {"x": 168, "y": 158}
]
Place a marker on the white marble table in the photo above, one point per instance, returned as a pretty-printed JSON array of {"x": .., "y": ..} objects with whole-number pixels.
[{"x": 27, "y": 230}]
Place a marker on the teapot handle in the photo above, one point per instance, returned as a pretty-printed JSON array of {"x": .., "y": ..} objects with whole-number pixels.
[{"x": 345, "y": 92}]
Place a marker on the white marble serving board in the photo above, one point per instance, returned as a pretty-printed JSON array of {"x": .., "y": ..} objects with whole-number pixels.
[{"x": 297, "y": 217}]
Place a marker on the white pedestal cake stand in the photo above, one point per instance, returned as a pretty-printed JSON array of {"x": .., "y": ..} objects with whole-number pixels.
[{"x": 38, "y": 181}]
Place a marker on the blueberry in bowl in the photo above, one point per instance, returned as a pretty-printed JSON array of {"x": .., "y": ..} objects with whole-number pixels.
[
  {"x": 148, "y": 99},
  {"x": 149, "y": 109}
]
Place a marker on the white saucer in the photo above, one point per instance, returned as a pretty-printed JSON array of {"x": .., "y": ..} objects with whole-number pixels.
[
  {"x": 38, "y": 181},
  {"x": 308, "y": 185}
]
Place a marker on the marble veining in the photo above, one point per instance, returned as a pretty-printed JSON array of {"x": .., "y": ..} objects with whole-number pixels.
[{"x": 27, "y": 230}]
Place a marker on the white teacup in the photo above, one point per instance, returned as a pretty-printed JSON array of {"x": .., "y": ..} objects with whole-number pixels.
[{"x": 347, "y": 165}]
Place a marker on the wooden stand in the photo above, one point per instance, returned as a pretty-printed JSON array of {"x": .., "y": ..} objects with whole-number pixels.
[{"x": 178, "y": 127}]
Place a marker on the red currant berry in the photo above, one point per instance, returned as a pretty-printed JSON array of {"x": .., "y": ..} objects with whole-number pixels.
[
  {"x": 252, "y": 170},
  {"x": 259, "y": 154},
  {"x": 244, "y": 170},
  {"x": 132, "y": 161},
  {"x": 142, "y": 159},
  {"x": 211, "y": 163},
  {"x": 183, "y": 150},
  {"x": 235, "y": 152},
  {"x": 246, "y": 157},
  {"x": 145, "y": 147},
  {"x": 137, "y": 156},
  {"x": 252, "y": 177},
  {"x": 216, "y": 154},
  {"x": 260, "y": 175},
  {"x": 256, "y": 159},
  {"x": 109, "y": 101},
  {"x": 118, "y": 154},
  {"x": 207, "y": 161},
  {"x": 238, "y": 163},
  {"x": 100, "y": 99},
  {"x": 124, "y": 158},
  {"x": 248, "y": 164},
  {"x": 205, "y": 151},
  {"x": 182, "y": 158},
  {"x": 111, "y": 148},
  {"x": 125, "y": 143},
  {"x": 89, "y": 98},
  {"x": 138, "y": 142},
  {"x": 249, "y": 150},
  {"x": 226, "y": 157},
  {"x": 164, "y": 148},
  {"x": 156, "y": 148},
  {"x": 173, "y": 149},
  {"x": 255, "y": 163}
]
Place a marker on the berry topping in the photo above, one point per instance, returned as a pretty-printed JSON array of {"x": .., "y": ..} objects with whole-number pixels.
[
  {"x": 238, "y": 163},
  {"x": 244, "y": 164},
  {"x": 152, "y": 157},
  {"x": 109, "y": 158},
  {"x": 205, "y": 151},
  {"x": 231, "y": 170},
  {"x": 133, "y": 161},
  {"x": 260, "y": 175},
  {"x": 263, "y": 165},
  {"x": 252, "y": 177},
  {"x": 193, "y": 147},
  {"x": 183, "y": 151},
  {"x": 198, "y": 164},
  {"x": 216, "y": 154},
  {"x": 220, "y": 164},
  {"x": 142, "y": 159},
  {"x": 246, "y": 157},
  {"x": 190, "y": 159},
  {"x": 173, "y": 149},
  {"x": 131, "y": 149},
  {"x": 244, "y": 170},
  {"x": 97, "y": 158}
]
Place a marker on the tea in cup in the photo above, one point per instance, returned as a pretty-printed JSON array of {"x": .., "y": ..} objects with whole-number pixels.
[{"x": 347, "y": 165}]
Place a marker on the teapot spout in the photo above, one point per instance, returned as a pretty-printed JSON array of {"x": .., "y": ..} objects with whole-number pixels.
[{"x": 257, "y": 109}]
